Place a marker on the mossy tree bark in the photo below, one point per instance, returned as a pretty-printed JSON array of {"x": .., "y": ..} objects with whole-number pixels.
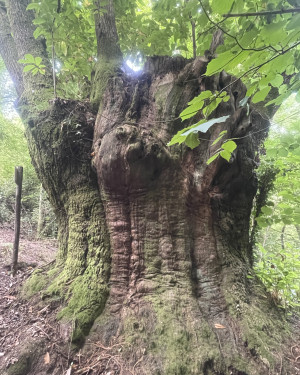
[{"x": 154, "y": 244}]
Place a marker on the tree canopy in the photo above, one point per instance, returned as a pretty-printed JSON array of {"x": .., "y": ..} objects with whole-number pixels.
[{"x": 255, "y": 41}]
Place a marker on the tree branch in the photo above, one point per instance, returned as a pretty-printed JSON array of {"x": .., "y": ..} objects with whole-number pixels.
[
  {"x": 265, "y": 13},
  {"x": 9, "y": 52},
  {"x": 22, "y": 28},
  {"x": 232, "y": 36},
  {"x": 106, "y": 31}
]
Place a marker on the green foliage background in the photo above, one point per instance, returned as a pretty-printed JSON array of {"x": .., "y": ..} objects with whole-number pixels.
[
  {"x": 13, "y": 152},
  {"x": 278, "y": 243}
]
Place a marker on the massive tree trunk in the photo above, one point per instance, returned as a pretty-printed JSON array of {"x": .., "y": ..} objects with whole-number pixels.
[{"x": 154, "y": 244}]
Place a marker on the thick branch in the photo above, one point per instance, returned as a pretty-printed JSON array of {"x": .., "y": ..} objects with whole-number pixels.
[
  {"x": 265, "y": 13},
  {"x": 9, "y": 52},
  {"x": 22, "y": 28},
  {"x": 106, "y": 31}
]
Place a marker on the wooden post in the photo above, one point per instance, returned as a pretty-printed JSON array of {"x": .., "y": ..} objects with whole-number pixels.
[
  {"x": 40, "y": 223},
  {"x": 18, "y": 181}
]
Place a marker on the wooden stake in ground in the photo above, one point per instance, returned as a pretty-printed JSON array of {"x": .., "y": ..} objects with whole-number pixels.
[{"x": 18, "y": 181}]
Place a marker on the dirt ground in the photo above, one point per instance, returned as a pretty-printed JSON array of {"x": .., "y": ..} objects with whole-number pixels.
[
  {"x": 30, "y": 334},
  {"x": 20, "y": 320}
]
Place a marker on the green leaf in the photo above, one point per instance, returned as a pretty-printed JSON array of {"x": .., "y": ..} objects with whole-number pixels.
[
  {"x": 38, "y": 21},
  {"x": 29, "y": 57},
  {"x": 267, "y": 210},
  {"x": 38, "y": 60},
  {"x": 294, "y": 22},
  {"x": 204, "y": 95},
  {"x": 203, "y": 127},
  {"x": 35, "y": 6},
  {"x": 37, "y": 32},
  {"x": 261, "y": 95},
  {"x": 22, "y": 61},
  {"x": 27, "y": 68},
  {"x": 63, "y": 47},
  {"x": 221, "y": 7},
  {"x": 283, "y": 152},
  {"x": 192, "y": 141},
  {"x": 221, "y": 135},
  {"x": 35, "y": 71},
  {"x": 225, "y": 155},
  {"x": 218, "y": 64},
  {"x": 211, "y": 106},
  {"x": 277, "y": 81},
  {"x": 229, "y": 146},
  {"x": 211, "y": 159},
  {"x": 195, "y": 105},
  {"x": 191, "y": 111}
]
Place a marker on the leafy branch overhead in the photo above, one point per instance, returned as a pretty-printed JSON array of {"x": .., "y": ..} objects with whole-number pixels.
[
  {"x": 261, "y": 46},
  {"x": 262, "y": 50}
]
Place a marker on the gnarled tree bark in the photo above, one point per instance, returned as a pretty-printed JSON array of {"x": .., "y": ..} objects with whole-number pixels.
[{"x": 154, "y": 244}]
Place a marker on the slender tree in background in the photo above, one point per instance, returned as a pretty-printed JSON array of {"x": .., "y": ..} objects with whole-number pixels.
[{"x": 154, "y": 243}]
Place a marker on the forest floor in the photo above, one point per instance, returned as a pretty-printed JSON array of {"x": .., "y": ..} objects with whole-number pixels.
[
  {"x": 29, "y": 331},
  {"x": 30, "y": 334},
  {"x": 19, "y": 318}
]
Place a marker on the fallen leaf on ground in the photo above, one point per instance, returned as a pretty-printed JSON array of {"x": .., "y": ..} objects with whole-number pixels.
[{"x": 47, "y": 358}]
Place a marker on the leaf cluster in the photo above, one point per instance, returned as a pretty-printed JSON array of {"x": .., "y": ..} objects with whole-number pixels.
[{"x": 33, "y": 64}]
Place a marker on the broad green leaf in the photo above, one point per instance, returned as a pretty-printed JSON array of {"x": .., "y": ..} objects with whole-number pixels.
[
  {"x": 225, "y": 155},
  {"x": 39, "y": 21},
  {"x": 27, "y": 68},
  {"x": 29, "y": 58},
  {"x": 251, "y": 89},
  {"x": 283, "y": 152},
  {"x": 35, "y": 71},
  {"x": 277, "y": 81},
  {"x": 267, "y": 210},
  {"x": 38, "y": 60},
  {"x": 195, "y": 105},
  {"x": 294, "y": 22},
  {"x": 221, "y": 7},
  {"x": 248, "y": 37},
  {"x": 191, "y": 111},
  {"x": 35, "y": 6},
  {"x": 203, "y": 127},
  {"x": 192, "y": 141},
  {"x": 37, "y": 32},
  {"x": 218, "y": 64},
  {"x": 262, "y": 222},
  {"x": 211, "y": 106},
  {"x": 204, "y": 95},
  {"x": 261, "y": 95},
  {"x": 229, "y": 146}
]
